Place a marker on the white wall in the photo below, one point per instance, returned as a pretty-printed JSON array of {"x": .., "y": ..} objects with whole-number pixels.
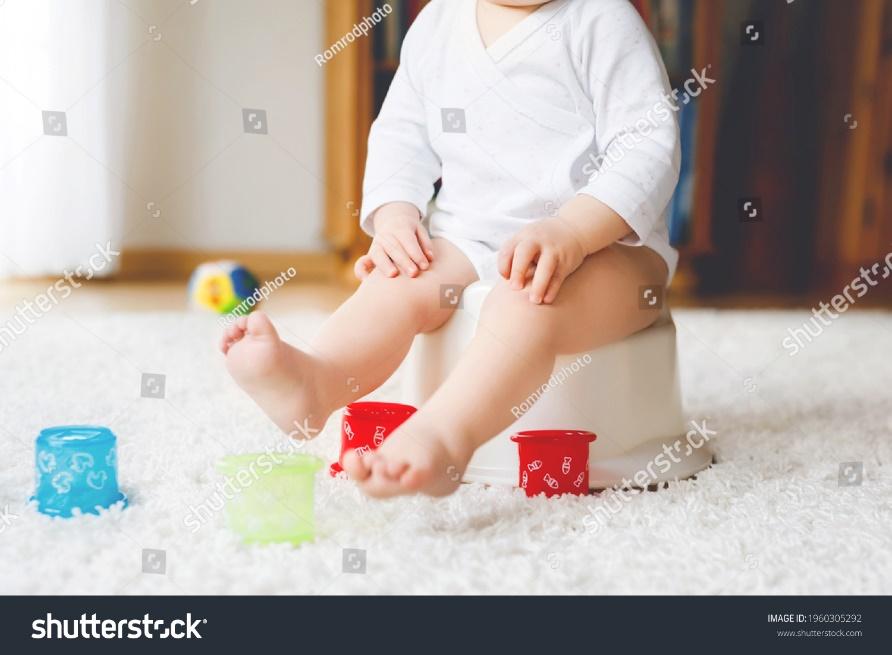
[{"x": 153, "y": 92}]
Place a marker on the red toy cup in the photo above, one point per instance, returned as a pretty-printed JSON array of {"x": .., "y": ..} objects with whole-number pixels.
[
  {"x": 553, "y": 462},
  {"x": 365, "y": 426}
]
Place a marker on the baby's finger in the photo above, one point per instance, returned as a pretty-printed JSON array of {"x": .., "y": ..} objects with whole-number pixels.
[
  {"x": 409, "y": 242},
  {"x": 545, "y": 269},
  {"x": 506, "y": 254},
  {"x": 557, "y": 280},
  {"x": 363, "y": 266},
  {"x": 425, "y": 240},
  {"x": 524, "y": 255},
  {"x": 382, "y": 261},
  {"x": 398, "y": 255}
]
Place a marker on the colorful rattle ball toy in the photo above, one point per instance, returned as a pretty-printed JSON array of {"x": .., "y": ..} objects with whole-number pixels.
[{"x": 223, "y": 287}]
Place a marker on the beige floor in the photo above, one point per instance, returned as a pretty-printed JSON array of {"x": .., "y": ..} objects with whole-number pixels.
[
  {"x": 165, "y": 296},
  {"x": 146, "y": 296}
]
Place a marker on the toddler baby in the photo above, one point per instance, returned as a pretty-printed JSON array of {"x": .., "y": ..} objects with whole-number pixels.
[{"x": 547, "y": 124}]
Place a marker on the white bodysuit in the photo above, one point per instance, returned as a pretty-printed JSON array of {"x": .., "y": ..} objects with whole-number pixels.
[{"x": 572, "y": 100}]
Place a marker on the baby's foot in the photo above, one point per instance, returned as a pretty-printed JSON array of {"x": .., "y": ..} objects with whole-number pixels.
[
  {"x": 277, "y": 376},
  {"x": 419, "y": 457}
]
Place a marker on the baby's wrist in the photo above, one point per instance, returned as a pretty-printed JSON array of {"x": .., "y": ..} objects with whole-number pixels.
[
  {"x": 580, "y": 230},
  {"x": 395, "y": 211},
  {"x": 594, "y": 224}
]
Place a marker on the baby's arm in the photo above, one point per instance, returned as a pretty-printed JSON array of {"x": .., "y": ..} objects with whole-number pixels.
[
  {"x": 636, "y": 122},
  {"x": 401, "y": 169},
  {"x": 626, "y": 197}
]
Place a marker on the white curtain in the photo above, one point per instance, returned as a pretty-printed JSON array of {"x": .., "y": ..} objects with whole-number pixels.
[{"x": 60, "y": 197}]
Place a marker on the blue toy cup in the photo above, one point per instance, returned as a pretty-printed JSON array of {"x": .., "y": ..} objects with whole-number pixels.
[{"x": 77, "y": 468}]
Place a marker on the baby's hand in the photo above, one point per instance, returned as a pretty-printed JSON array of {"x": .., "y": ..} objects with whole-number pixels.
[
  {"x": 547, "y": 251},
  {"x": 401, "y": 244}
]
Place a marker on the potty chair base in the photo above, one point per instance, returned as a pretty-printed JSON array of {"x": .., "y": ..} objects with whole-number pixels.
[{"x": 627, "y": 393}]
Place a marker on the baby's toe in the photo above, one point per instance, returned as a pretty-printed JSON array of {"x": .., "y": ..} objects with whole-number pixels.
[
  {"x": 231, "y": 334},
  {"x": 355, "y": 467},
  {"x": 416, "y": 477},
  {"x": 258, "y": 324},
  {"x": 381, "y": 468},
  {"x": 395, "y": 468},
  {"x": 378, "y": 485}
]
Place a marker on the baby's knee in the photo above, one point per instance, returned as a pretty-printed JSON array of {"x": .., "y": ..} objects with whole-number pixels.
[
  {"x": 418, "y": 297},
  {"x": 514, "y": 310}
]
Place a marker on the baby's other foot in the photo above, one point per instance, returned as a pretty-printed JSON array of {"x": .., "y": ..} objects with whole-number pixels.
[
  {"x": 277, "y": 376},
  {"x": 418, "y": 457}
]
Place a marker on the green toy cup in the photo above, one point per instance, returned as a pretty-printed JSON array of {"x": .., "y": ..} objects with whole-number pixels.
[{"x": 271, "y": 496}]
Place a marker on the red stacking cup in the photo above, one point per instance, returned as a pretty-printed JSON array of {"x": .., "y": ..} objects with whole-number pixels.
[
  {"x": 553, "y": 462},
  {"x": 365, "y": 426}
]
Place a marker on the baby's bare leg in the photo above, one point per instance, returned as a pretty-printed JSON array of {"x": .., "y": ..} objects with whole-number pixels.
[
  {"x": 512, "y": 354},
  {"x": 368, "y": 337},
  {"x": 356, "y": 350}
]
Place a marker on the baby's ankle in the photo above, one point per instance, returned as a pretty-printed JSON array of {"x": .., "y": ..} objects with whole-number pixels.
[
  {"x": 456, "y": 438},
  {"x": 332, "y": 386}
]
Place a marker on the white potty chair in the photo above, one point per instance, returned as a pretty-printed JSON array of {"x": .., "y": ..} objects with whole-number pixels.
[{"x": 627, "y": 393}]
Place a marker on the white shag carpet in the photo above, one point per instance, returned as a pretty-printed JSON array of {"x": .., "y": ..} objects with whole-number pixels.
[{"x": 770, "y": 517}]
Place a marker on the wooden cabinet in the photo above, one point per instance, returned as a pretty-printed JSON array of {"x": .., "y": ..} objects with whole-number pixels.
[
  {"x": 348, "y": 117},
  {"x": 855, "y": 216}
]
